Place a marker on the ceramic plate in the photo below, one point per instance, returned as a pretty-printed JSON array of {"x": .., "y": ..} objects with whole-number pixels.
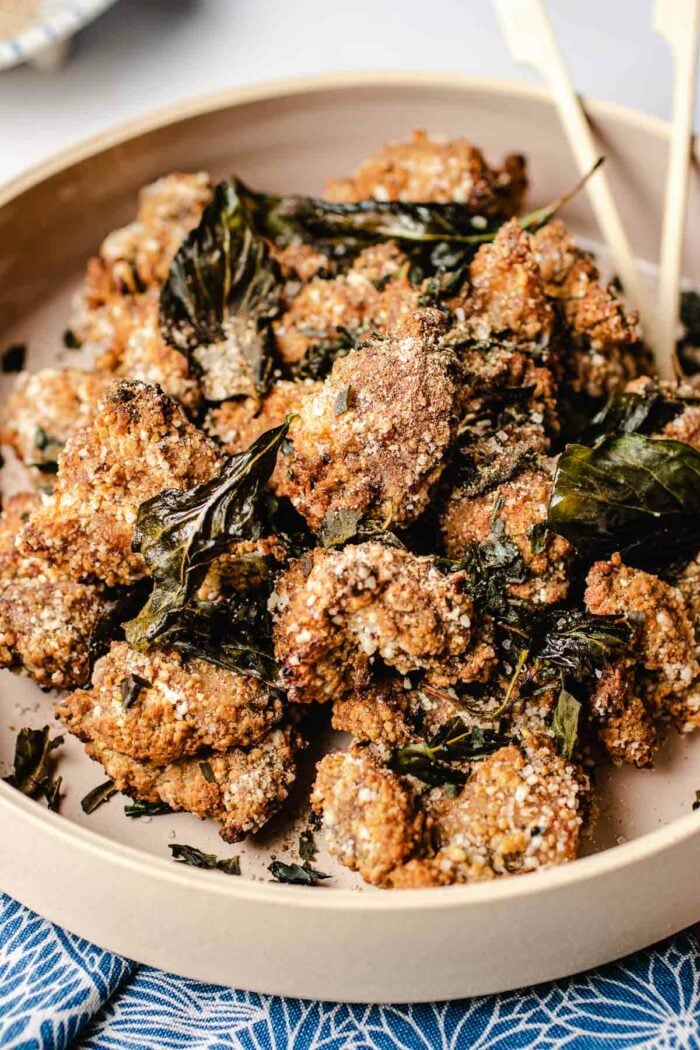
[{"x": 109, "y": 878}]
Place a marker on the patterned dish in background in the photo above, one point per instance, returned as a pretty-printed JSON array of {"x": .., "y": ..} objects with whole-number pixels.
[{"x": 29, "y": 27}]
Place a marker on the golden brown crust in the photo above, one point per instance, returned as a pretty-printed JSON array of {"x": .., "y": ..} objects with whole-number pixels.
[
  {"x": 46, "y": 407},
  {"x": 370, "y": 821},
  {"x": 665, "y": 645},
  {"x": 240, "y": 789},
  {"x": 625, "y": 726},
  {"x": 381, "y": 455},
  {"x": 181, "y": 707},
  {"x": 373, "y": 296},
  {"x": 520, "y": 504},
  {"x": 337, "y": 609},
  {"x": 138, "y": 444},
  {"x": 424, "y": 170}
]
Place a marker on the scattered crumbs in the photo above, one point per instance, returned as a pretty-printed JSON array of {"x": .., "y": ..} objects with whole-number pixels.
[{"x": 70, "y": 340}]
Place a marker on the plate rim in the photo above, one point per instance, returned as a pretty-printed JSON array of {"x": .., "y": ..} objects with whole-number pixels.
[{"x": 17, "y": 807}]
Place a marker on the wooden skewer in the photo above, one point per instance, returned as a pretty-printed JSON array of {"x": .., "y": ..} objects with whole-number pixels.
[
  {"x": 678, "y": 22},
  {"x": 531, "y": 41}
]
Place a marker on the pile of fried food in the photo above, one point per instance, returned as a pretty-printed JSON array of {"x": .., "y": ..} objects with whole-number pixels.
[{"x": 394, "y": 451}]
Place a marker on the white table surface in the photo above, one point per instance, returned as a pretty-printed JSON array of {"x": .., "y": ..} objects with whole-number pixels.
[{"x": 147, "y": 53}]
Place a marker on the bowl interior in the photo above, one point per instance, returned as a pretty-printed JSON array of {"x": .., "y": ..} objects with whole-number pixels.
[{"x": 292, "y": 142}]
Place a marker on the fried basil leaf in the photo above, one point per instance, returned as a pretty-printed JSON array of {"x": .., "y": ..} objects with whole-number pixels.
[
  {"x": 33, "y": 765},
  {"x": 179, "y": 533},
  {"x": 130, "y": 687},
  {"x": 138, "y": 808},
  {"x": 295, "y": 874},
  {"x": 98, "y": 795},
  {"x": 320, "y": 357},
  {"x": 565, "y": 722},
  {"x": 454, "y": 742},
  {"x": 578, "y": 642},
  {"x": 339, "y": 526},
  {"x": 197, "y": 859},
  {"x": 628, "y": 493},
  {"x": 220, "y": 297},
  {"x": 307, "y": 845},
  {"x": 492, "y": 566},
  {"x": 643, "y": 413}
]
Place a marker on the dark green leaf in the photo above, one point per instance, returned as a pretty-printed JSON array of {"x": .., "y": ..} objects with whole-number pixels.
[
  {"x": 102, "y": 793},
  {"x": 32, "y": 773},
  {"x": 307, "y": 845},
  {"x": 13, "y": 358},
  {"x": 295, "y": 874},
  {"x": 492, "y": 566},
  {"x": 130, "y": 687},
  {"x": 53, "y": 794},
  {"x": 138, "y": 808},
  {"x": 339, "y": 526},
  {"x": 320, "y": 357},
  {"x": 538, "y": 537},
  {"x": 565, "y": 722},
  {"x": 207, "y": 772},
  {"x": 70, "y": 340},
  {"x": 220, "y": 297},
  {"x": 644, "y": 413},
  {"x": 628, "y": 493},
  {"x": 196, "y": 859},
  {"x": 454, "y": 742},
  {"x": 180, "y": 533},
  {"x": 418, "y": 760},
  {"x": 579, "y": 642}
]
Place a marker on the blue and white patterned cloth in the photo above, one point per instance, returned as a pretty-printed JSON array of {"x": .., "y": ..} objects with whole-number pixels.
[{"x": 57, "y": 991}]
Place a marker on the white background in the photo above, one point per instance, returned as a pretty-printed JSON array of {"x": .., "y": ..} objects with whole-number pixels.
[{"x": 146, "y": 53}]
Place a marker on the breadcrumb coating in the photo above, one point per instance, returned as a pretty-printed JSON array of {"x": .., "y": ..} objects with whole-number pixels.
[
  {"x": 428, "y": 170},
  {"x": 239, "y": 789},
  {"x": 665, "y": 647},
  {"x": 602, "y": 351},
  {"x": 45, "y": 408},
  {"x": 370, "y": 821},
  {"x": 520, "y": 504},
  {"x": 236, "y": 424},
  {"x": 518, "y": 812},
  {"x": 138, "y": 444},
  {"x": 336, "y": 610},
  {"x": 373, "y": 440},
  {"x": 180, "y": 707},
  {"x": 625, "y": 726},
  {"x": 373, "y": 296}
]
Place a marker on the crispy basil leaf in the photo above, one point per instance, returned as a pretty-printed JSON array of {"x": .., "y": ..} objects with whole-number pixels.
[
  {"x": 642, "y": 413},
  {"x": 320, "y": 357},
  {"x": 295, "y": 874},
  {"x": 98, "y": 795},
  {"x": 13, "y": 358},
  {"x": 579, "y": 642},
  {"x": 627, "y": 493},
  {"x": 32, "y": 773},
  {"x": 197, "y": 859},
  {"x": 565, "y": 722},
  {"x": 237, "y": 636},
  {"x": 180, "y": 533},
  {"x": 220, "y": 297},
  {"x": 53, "y": 795},
  {"x": 138, "y": 808},
  {"x": 339, "y": 526},
  {"x": 130, "y": 687},
  {"x": 492, "y": 566},
  {"x": 454, "y": 742}
]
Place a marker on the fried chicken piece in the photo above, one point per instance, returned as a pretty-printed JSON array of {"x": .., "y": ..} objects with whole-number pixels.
[
  {"x": 518, "y": 812},
  {"x": 370, "y": 820},
  {"x": 603, "y": 351},
  {"x": 47, "y": 621},
  {"x": 138, "y": 444},
  {"x": 625, "y": 726},
  {"x": 45, "y": 408},
  {"x": 424, "y": 170},
  {"x": 519, "y": 504},
  {"x": 373, "y": 296},
  {"x": 179, "y": 707},
  {"x": 337, "y": 609},
  {"x": 376, "y": 713},
  {"x": 688, "y": 583},
  {"x": 138, "y": 351},
  {"x": 506, "y": 296},
  {"x": 236, "y": 424},
  {"x": 665, "y": 646},
  {"x": 240, "y": 789},
  {"x": 373, "y": 439}
]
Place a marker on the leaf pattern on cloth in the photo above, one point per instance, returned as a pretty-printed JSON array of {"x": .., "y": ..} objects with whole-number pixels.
[{"x": 59, "y": 991}]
